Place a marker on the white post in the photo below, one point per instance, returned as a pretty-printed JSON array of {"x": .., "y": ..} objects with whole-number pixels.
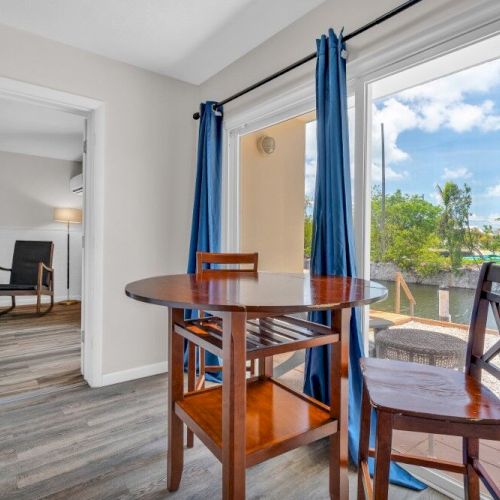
[{"x": 444, "y": 303}]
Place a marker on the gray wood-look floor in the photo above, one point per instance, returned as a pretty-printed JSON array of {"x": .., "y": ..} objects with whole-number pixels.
[
  {"x": 110, "y": 443},
  {"x": 39, "y": 353}
]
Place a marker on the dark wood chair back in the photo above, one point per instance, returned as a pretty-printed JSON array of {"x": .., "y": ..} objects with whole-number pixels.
[
  {"x": 27, "y": 257},
  {"x": 204, "y": 261},
  {"x": 487, "y": 298}
]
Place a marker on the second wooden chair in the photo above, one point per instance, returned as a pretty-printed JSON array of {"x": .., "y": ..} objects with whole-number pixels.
[
  {"x": 420, "y": 398},
  {"x": 204, "y": 262}
]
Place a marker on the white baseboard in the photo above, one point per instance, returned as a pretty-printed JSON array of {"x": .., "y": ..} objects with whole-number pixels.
[
  {"x": 134, "y": 373},
  {"x": 25, "y": 300}
]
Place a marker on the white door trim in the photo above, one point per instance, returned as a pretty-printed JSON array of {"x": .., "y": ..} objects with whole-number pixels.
[{"x": 93, "y": 206}]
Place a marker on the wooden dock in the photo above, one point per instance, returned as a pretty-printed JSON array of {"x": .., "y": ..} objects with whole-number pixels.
[
  {"x": 394, "y": 318},
  {"x": 401, "y": 319}
]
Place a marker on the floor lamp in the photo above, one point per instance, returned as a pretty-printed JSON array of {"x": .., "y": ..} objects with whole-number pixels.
[{"x": 69, "y": 216}]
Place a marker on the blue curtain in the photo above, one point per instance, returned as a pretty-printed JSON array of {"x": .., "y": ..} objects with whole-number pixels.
[
  {"x": 206, "y": 223},
  {"x": 332, "y": 250}
]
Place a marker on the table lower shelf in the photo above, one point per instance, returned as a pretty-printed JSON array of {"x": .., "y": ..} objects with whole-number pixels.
[{"x": 278, "y": 419}]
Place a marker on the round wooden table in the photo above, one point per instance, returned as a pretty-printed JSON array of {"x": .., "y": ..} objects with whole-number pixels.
[{"x": 244, "y": 422}]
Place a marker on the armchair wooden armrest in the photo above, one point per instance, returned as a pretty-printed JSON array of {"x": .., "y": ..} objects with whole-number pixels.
[
  {"x": 41, "y": 268},
  {"x": 5, "y": 269}
]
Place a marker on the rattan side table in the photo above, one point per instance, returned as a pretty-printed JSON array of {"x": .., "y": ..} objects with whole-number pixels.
[{"x": 421, "y": 346}]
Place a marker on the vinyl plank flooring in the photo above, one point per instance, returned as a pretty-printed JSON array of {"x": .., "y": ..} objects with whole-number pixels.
[
  {"x": 39, "y": 352},
  {"x": 61, "y": 440},
  {"x": 87, "y": 444}
]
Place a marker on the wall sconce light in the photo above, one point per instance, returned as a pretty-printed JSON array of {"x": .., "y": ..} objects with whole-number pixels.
[{"x": 266, "y": 144}]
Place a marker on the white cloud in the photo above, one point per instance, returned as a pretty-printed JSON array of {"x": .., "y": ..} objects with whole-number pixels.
[
  {"x": 478, "y": 220},
  {"x": 396, "y": 117},
  {"x": 493, "y": 190},
  {"x": 456, "y": 173},
  {"x": 437, "y": 104},
  {"x": 434, "y": 196},
  {"x": 390, "y": 174}
]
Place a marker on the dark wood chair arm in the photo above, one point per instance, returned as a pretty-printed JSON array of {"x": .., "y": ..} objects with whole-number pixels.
[{"x": 5, "y": 269}]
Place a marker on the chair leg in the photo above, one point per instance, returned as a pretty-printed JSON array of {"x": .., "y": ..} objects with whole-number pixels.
[
  {"x": 51, "y": 302},
  {"x": 471, "y": 479},
  {"x": 364, "y": 445},
  {"x": 383, "y": 449},
  {"x": 13, "y": 302},
  {"x": 39, "y": 305},
  {"x": 202, "y": 371},
  {"x": 191, "y": 385}
]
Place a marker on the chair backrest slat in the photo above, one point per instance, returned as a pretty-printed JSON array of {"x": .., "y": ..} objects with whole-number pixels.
[
  {"x": 493, "y": 273},
  {"x": 207, "y": 258},
  {"x": 486, "y": 299},
  {"x": 203, "y": 258},
  {"x": 27, "y": 256}
]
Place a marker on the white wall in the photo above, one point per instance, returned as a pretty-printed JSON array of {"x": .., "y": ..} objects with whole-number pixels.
[
  {"x": 149, "y": 178},
  {"x": 30, "y": 187},
  {"x": 298, "y": 40}
]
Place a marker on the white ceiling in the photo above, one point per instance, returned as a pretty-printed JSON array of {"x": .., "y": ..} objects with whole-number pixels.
[
  {"x": 191, "y": 40},
  {"x": 35, "y": 130}
]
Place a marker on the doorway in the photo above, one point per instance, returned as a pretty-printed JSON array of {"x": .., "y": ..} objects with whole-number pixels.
[
  {"x": 41, "y": 205},
  {"x": 92, "y": 111}
]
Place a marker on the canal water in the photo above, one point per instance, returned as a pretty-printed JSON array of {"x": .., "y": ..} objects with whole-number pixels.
[{"x": 426, "y": 296}]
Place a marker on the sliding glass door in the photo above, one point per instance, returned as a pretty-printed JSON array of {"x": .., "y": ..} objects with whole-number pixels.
[{"x": 434, "y": 218}]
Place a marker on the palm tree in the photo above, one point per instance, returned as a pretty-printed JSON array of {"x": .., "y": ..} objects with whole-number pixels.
[{"x": 454, "y": 226}]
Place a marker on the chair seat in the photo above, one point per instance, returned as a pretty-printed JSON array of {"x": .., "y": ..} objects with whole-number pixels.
[
  {"x": 17, "y": 287},
  {"x": 418, "y": 390}
]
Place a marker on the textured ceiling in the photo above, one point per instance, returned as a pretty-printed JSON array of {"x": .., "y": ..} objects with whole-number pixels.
[{"x": 186, "y": 39}]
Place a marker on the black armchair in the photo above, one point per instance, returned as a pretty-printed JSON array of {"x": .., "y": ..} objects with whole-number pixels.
[{"x": 31, "y": 273}]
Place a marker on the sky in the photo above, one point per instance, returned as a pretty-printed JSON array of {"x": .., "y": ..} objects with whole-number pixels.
[{"x": 446, "y": 129}]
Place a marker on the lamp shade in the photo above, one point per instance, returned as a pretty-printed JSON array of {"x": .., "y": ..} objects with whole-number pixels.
[{"x": 71, "y": 215}]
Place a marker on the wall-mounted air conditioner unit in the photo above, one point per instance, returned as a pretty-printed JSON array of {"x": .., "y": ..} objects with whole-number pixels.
[{"x": 76, "y": 184}]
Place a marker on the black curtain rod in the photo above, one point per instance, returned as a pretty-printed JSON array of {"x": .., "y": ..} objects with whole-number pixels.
[{"x": 310, "y": 57}]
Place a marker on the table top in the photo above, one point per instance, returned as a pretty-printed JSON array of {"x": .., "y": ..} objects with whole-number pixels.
[{"x": 256, "y": 292}]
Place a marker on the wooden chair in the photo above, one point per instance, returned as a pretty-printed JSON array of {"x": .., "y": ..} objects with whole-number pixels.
[
  {"x": 421, "y": 398},
  {"x": 204, "y": 260},
  {"x": 31, "y": 273}
]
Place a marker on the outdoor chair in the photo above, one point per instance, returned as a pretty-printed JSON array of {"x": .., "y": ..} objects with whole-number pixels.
[
  {"x": 31, "y": 274},
  {"x": 435, "y": 400}
]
